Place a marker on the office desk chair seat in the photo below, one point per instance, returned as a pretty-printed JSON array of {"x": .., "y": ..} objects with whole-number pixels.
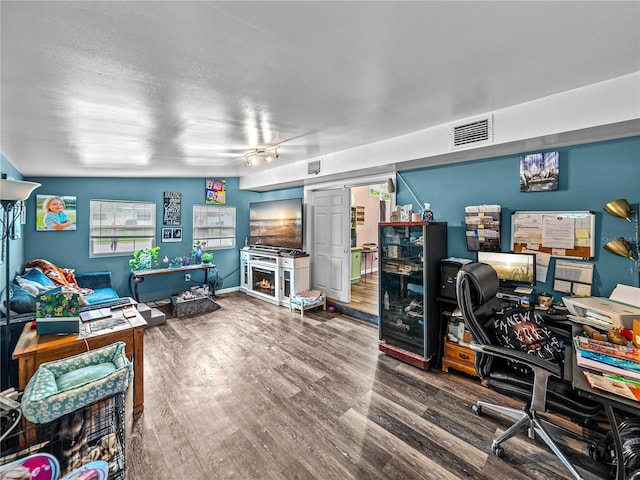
[{"x": 541, "y": 385}]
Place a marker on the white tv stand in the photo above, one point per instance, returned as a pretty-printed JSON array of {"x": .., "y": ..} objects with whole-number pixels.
[{"x": 273, "y": 275}]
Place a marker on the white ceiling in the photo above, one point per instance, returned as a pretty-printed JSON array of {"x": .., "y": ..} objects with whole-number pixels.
[{"x": 185, "y": 89}]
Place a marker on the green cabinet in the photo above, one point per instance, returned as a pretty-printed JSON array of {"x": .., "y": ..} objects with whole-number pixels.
[{"x": 356, "y": 264}]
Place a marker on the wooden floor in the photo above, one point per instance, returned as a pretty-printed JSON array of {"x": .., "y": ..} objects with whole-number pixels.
[
  {"x": 364, "y": 294},
  {"x": 253, "y": 391}
]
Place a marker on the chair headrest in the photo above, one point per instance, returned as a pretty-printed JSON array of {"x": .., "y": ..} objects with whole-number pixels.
[{"x": 484, "y": 280}]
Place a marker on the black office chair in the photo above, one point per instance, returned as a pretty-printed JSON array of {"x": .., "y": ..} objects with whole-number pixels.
[{"x": 541, "y": 385}]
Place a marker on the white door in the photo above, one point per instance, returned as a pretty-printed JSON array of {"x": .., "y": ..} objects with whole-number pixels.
[{"x": 332, "y": 243}]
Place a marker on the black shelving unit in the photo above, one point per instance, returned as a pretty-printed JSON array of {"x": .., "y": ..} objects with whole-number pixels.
[{"x": 409, "y": 266}]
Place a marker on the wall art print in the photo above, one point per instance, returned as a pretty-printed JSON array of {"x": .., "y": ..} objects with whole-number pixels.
[
  {"x": 55, "y": 212},
  {"x": 215, "y": 192},
  {"x": 171, "y": 235},
  {"x": 172, "y": 211},
  {"x": 539, "y": 172}
]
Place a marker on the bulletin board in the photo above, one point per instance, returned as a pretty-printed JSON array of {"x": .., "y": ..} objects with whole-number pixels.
[{"x": 561, "y": 234}]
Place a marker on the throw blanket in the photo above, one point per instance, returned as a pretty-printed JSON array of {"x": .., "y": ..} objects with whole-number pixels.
[{"x": 58, "y": 275}]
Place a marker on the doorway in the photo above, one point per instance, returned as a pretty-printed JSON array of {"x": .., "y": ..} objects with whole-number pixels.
[
  {"x": 369, "y": 206},
  {"x": 369, "y": 203}
]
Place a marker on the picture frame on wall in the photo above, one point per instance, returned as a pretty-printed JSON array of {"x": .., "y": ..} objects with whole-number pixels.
[
  {"x": 171, "y": 234},
  {"x": 215, "y": 192},
  {"x": 55, "y": 213},
  {"x": 539, "y": 172},
  {"x": 172, "y": 208}
]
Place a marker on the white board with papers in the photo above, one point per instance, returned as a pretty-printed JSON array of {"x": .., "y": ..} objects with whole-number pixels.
[{"x": 560, "y": 234}]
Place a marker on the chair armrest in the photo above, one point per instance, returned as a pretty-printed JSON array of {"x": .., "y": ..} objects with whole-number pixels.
[
  {"x": 94, "y": 280},
  {"x": 532, "y": 361}
]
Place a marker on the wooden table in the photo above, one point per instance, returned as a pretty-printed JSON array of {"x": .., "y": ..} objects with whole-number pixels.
[
  {"x": 32, "y": 349},
  {"x": 138, "y": 276}
]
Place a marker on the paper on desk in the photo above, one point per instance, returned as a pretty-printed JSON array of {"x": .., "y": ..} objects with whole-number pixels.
[{"x": 626, "y": 294}]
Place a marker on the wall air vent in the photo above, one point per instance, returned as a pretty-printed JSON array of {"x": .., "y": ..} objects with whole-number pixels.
[
  {"x": 472, "y": 133},
  {"x": 313, "y": 167}
]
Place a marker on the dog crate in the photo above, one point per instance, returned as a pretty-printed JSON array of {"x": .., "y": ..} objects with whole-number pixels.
[{"x": 83, "y": 437}]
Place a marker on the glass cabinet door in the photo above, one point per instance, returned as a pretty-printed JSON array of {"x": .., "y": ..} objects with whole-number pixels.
[{"x": 402, "y": 283}]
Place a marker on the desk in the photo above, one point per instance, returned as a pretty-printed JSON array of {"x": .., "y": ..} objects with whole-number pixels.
[
  {"x": 609, "y": 400},
  {"x": 138, "y": 276},
  {"x": 32, "y": 349}
]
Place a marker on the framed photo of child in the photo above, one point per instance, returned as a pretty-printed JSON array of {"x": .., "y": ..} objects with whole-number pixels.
[{"x": 55, "y": 212}]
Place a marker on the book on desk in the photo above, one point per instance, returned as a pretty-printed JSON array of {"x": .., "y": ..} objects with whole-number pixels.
[
  {"x": 612, "y": 368},
  {"x": 614, "y": 384}
]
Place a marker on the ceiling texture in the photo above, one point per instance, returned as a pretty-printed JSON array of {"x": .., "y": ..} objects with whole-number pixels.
[{"x": 188, "y": 89}]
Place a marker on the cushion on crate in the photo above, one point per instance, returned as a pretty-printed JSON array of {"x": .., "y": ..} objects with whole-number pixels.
[
  {"x": 307, "y": 298},
  {"x": 63, "y": 386}
]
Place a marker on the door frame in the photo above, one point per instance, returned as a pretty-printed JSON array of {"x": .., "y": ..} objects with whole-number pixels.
[{"x": 350, "y": 182}]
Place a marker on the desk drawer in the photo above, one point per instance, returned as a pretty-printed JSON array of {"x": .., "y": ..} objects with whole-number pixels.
[{"x": 459, "y": 358}]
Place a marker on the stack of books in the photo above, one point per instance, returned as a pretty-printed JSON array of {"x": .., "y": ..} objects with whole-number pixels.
[{"x": 613, "y": 368}]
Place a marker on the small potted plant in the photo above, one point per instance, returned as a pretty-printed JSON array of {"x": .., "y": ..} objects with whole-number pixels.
[
  {"x": 145, "y": 258},
  {"x": 175, "y": 262},
  {"x": 197, "y": 250},
  {"x": 207, "y": 257}
]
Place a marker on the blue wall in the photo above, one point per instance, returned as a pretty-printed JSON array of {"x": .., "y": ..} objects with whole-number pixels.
[
  {"x": 70, "y": 249},
  {"x": 590, "y": 176}
]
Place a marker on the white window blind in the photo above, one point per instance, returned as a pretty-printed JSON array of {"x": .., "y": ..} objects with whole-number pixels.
[
  {"x": 121, "y": 227},
  {"x": 215, "y": 225}
]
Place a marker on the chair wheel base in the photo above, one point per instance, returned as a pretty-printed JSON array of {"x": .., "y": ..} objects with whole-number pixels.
[
  {"x": 477, "y": 409},
  {"x": 497, "y": 450}
]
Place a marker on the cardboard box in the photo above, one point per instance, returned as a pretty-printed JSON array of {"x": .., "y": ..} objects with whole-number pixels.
[
  {"x": 57, "y": 311},
  {"x": 58, "y": 303},
  {"x": 56, "y": 325}
]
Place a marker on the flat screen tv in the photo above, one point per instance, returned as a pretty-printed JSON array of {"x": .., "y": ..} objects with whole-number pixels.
[
  {"x": 512, "y": 268},
  {"x": 276, "y": 224}
]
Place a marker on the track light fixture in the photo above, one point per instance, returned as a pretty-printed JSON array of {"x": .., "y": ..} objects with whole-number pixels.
[{"x": 265, "y": 153}]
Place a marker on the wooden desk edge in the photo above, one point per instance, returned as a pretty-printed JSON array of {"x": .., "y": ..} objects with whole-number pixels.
[{"x": 27, "y": 342}]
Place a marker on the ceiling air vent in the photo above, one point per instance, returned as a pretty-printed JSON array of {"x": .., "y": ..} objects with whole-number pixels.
[
  {"x": 472, "y": 133},
  {"x": 313, "y": 167}
]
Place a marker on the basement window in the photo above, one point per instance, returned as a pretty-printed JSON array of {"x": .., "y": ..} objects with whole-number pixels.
[
  {"x": 120, "y": 227},
  {"x": 214, "y": 225}
]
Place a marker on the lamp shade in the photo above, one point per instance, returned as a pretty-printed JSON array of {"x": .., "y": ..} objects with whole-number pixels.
[
  {"x": 621, "y": 247},
  {"x": 619, "y": 208},
  {"x": 14, "y": 190}
]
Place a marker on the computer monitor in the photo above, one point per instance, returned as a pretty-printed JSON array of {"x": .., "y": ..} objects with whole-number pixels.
[{"x": 512, "y": 268}]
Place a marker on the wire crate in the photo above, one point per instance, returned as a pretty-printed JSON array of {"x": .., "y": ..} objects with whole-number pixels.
[{"x": 94, "y": 432}]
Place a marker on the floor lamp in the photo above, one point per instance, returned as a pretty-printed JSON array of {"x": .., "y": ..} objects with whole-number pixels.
[
  {"x": 11, "y": 192},
  {"x": 620, "y": 246}
]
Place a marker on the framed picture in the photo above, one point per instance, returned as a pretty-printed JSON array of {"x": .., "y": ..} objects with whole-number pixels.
[
  {"x": 539, "y": 172},
  {"x": 172, "y": 208},
  {"x": 215, "y": 192},
  {"x": 171, "y": 234},
  {"x": 55, "y": 212}
]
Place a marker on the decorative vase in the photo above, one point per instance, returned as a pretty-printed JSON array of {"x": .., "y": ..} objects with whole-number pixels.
[{"x": 145, "y": 261}]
